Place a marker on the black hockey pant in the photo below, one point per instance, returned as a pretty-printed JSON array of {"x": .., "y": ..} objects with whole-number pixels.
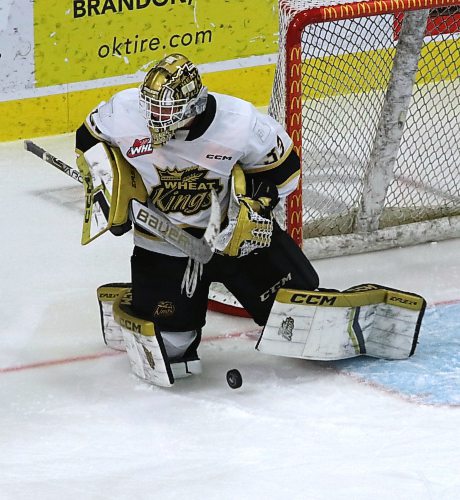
[{"x": 253, "y": 280}]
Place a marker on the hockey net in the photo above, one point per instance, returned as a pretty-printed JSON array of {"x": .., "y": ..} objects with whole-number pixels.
[{"x": 370, "y": 94}]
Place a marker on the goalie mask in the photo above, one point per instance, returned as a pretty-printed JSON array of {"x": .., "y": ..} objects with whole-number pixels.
[{"x": 171, "y": 94}]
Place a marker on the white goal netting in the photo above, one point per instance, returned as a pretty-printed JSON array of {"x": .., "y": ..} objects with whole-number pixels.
[
  {"x": 373, "y": 108},
  {"x": 370, "y": 93}
]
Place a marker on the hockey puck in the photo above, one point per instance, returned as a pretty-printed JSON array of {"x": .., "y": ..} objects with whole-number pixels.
[{"x": 234, "y": 379}]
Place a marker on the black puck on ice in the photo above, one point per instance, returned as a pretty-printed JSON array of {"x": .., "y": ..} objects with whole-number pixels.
[{"x": 234, "y": 379}]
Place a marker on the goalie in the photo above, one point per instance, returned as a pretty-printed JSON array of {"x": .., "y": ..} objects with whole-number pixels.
[{"x": 170, "y": 144}]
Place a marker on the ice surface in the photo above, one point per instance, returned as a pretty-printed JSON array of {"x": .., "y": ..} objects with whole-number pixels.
[
  {"x": 433, "y": 375},
  {"x": 75, "y": 424}
]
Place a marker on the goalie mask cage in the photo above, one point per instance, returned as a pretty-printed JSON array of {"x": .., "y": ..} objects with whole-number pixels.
[{"x": 370, "y": 94}]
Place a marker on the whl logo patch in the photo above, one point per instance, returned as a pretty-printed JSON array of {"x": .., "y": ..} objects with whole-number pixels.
[{"x": 140, "y": 147}]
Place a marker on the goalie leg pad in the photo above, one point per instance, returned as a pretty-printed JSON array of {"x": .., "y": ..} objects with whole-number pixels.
[
  {"x": 111, "y": 330},
  {"x": 155, "y": 359},
  {"x": 181, "y": 349},
  {"x": 146, "y": 352},
  {"x": 327, "y": 325}
]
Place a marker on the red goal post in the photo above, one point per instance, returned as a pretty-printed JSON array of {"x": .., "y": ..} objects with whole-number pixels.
[{"x": 352, "y": 120}]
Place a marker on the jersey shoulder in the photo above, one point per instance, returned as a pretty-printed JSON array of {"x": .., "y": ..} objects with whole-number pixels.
[
  {"x": 246, "y": 116},
  {"x": 234, "y": 112},
  {"x": 233, "y": 121},
  {"x": 233, "y": 105},
  {"x": 257, "y": 132},
  {"x": 120, "y": 116}
]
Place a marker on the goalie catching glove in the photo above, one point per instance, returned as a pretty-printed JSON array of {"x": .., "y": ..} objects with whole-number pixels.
[{"x": 250, "y": 220}]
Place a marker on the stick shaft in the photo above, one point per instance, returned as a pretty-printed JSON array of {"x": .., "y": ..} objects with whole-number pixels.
[{"x": 52, "y": 160}]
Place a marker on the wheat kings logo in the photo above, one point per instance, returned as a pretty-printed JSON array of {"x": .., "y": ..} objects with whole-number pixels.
[
  {"x": 186, "y": 191},
  {"x": 164, "y": 308},
  {"x": 286, "y": 329}
]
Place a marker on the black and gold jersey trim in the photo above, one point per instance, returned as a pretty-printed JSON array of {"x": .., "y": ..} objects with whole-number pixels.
[
  {"x": 85, "y": 139},
  {"x": 270, "y": 166},
  {"x": 281, "y": 174},
  {"x": 204, "y": 120}
]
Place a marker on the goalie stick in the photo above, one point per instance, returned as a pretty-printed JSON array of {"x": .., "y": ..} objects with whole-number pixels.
[
  {"x": 52, "y": 160},
  {"x": 151, "y": 220}
]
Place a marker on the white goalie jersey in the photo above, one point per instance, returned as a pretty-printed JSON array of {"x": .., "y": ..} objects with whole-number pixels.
[{"x": 180, "y": 176}]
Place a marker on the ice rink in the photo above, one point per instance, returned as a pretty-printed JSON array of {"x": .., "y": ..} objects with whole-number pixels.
[{"x": 75, "y": 424}]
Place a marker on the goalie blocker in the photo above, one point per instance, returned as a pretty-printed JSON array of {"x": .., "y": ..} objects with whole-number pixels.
[{"x": 366, "y": 320}]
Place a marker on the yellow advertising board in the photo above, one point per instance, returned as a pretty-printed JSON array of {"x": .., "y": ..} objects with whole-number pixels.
[
  {"x": 60, "y": 58},
  {"x": 84, "y": 40}
]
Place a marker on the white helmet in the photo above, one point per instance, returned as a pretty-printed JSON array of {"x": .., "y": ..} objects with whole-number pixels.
[{"x": 171, "y": 94}]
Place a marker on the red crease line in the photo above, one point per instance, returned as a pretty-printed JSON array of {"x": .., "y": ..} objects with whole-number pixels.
[{"x": 64, "y": 361}]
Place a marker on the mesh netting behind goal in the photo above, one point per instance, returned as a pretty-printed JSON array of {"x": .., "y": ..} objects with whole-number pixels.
[
  {"x": 373, "y": 108},
  {"x": 370, "y": 94}
]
